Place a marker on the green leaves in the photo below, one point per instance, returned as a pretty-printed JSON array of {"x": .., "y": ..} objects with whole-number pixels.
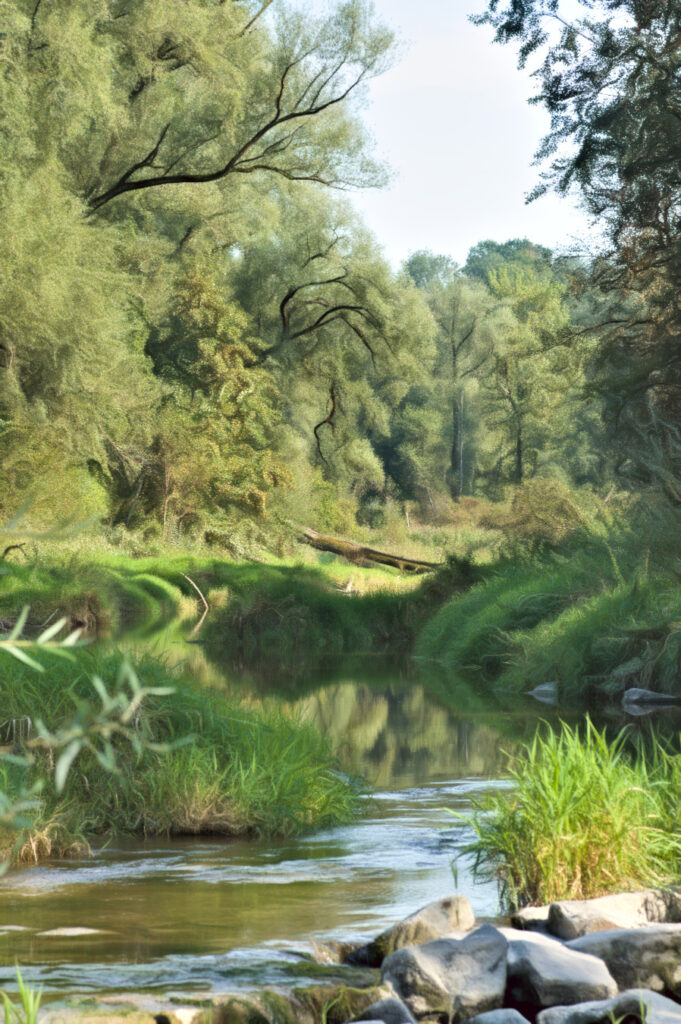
[{"x": 13, "y": 645}]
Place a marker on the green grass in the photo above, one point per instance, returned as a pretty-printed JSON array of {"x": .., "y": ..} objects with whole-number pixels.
[
  {"x": 249, "y": 769},
  {"x": 585, "y": 817},
  {"x": 26, "y": 1011},
  {"x": 629, "y": 635},
  {"x": 290, "y": 615},
  {"x": 568, "y": 617}
]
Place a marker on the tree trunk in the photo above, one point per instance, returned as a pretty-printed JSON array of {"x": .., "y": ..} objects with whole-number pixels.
[
  {"x": 519, "y": 454},
  {"x": 361, "y": 555}
]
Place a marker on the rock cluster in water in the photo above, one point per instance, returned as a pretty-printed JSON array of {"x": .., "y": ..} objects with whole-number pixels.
[
  {"x": 575, "y": 962},
  {"x": 613, "y": 959}
]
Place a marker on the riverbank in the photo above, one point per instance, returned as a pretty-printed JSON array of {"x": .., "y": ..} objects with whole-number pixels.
[
  {"x": 200, "y": 763},
  {"x": 590, "y": 613}
]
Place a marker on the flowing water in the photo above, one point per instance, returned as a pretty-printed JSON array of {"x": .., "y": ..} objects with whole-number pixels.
[{"x": 172, "y": 916}]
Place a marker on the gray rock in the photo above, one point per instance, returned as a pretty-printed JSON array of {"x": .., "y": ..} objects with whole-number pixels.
[
  {"x": 639, "y": 957},
  {"x": 542, "y": 972},
  {"x": 531, "y": 919},
  {"x": 458, "y": 977},
  {"x": 657, "y": 1010},
  {"x": 570, "y": 919},
  {"x": 389, "y": 1011},
  {"x": 635, "y": 695},
  {"x": 431, "y": 922},
  {"x": 547, "y": 693},
  {"x": 504, "y": 1016}
]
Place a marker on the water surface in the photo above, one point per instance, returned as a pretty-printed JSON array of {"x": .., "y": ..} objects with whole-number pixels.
[{"x": 172, "y": 916}]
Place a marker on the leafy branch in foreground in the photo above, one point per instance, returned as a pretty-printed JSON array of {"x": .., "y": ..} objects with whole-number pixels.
[{"x": 100, "y": 728}]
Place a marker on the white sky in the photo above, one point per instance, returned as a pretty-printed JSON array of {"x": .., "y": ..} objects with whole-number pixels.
[{"x": 453, "y": 121}]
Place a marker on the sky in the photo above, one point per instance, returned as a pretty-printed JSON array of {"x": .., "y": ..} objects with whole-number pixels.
[{"x": 453, "y": 122}]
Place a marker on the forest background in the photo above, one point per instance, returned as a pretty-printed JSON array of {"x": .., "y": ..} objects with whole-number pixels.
[{"x": 199, "y": 338}]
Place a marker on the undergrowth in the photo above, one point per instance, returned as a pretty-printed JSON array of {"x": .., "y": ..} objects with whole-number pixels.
[{"x": 586, "y": 817}]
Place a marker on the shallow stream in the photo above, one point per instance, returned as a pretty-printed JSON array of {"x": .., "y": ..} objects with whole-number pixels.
[{"x": 221, "y": 915}]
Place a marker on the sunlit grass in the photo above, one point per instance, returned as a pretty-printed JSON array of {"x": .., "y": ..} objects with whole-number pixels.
[
  {"x": 585, "y": 817},
  {"x": 249, "y": 768}
]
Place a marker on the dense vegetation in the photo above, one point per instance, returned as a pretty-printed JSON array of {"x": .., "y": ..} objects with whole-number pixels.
[
  {"x": 201, "y": 341},
  {"x": 200, "y": 763}
]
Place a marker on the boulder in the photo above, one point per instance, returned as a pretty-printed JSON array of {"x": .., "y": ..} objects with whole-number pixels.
[
  {"x": 543, "y": 972},
  {"x": 531, "y": 919},
  {"x": 635, "y": 695},
  {"x": 635, "y": 1002},
  {"x": 388, "y": 1011},
  {"x": 455, "y": 977},
  {"x": 639, "y": 957},
  {"x": 504, "y": 1016},
  {"x": 570, "y": 919},
  {"x": 546, "y": 693},
  {"x": 431, "y": 922}
]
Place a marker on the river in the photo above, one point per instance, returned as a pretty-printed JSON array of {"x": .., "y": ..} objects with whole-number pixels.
[{"x": 217, "y": 915}]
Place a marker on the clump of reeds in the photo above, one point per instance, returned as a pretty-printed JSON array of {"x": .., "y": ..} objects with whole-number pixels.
[{"x": 586, "y": 816}]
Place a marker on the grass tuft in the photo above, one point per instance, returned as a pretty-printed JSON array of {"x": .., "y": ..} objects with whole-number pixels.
[{"x": 586, "y": 817}]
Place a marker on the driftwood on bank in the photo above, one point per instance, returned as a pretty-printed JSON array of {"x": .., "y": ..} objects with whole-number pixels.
[{"x": 361, "y": 555}]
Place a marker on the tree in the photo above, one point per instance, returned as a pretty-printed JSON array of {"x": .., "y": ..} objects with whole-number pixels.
[
  {"x": 531, "y": 369},
  {"x": 489, "y": 256},
  {"x": 194, "y": 94},
  {"x": 611, "y": 82}
]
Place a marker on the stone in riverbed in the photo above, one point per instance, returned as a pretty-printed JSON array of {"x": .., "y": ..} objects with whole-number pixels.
[
  {"x": 431, "y": 922},
  {"x": 388, "y": 1011},
  {"x": 635, "y": 695},
  {"x": 70, "y": 933},
  {"x": 503, "y": 1016},
  {"x": 639, "y": 957},
  {"x": 455, "y": 977},
  {"x": 546, "y": 693},
  {"x": 570, "y": 919},
  {"x": 657, "y": 1009},
  {"x": 531, "y": 919},
  {"x": 542, "y": 972}
]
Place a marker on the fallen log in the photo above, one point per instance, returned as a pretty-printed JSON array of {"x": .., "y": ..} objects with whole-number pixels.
[{"x": 359, "y": 554}]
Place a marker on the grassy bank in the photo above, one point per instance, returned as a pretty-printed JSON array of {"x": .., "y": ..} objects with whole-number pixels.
[
  {"x": 247, "y": 769},
  {"x": 586, "y": 817},
  {"x": 594, "y": 617},
  {"x": 270, "y": 612}
]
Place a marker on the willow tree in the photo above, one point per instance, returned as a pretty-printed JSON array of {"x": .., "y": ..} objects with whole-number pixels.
[{"x": 609, "y": 74}]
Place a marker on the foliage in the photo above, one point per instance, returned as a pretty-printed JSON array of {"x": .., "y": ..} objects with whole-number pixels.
[
  {"x": 608, "y": 75},
  {"x": 585, "y": 817}
]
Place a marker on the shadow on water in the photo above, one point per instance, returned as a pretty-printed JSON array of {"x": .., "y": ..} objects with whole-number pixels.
[{"x": 190, "y": 914}]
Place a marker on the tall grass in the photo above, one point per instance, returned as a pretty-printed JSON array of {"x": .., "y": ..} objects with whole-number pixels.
[
  {"x": 586, "y": 816},
  {"x": 249, "y": 768},
  {"x": 26, "y": 1012}
]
